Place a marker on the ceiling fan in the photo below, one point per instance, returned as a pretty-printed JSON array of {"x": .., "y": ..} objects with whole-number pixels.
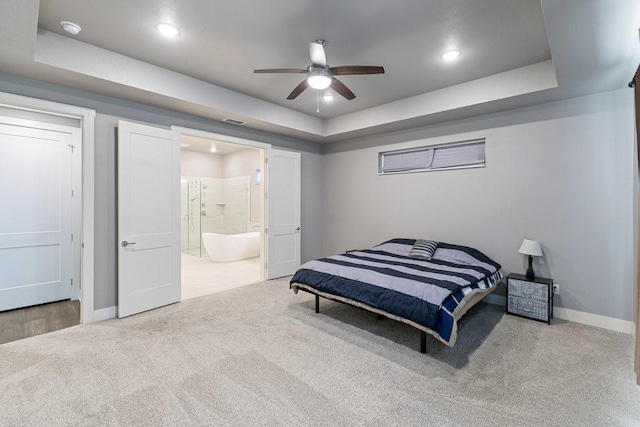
[{"x": 321, "y": 76}]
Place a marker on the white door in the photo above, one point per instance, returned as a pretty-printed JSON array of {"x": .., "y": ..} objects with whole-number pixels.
[
  {"x": 36, "y": 264},
  {"x": 148, "y": 218},
  {"x": 283, "y": 231}
]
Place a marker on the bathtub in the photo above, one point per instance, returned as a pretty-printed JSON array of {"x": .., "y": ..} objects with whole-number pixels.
[{"x": 231, "y": 247}]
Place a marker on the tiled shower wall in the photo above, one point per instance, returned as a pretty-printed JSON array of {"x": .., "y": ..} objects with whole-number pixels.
[{"x": 226, "y": 205}]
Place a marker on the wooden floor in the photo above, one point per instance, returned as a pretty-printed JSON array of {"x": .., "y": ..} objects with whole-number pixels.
[{"x": 40, "y": 319}]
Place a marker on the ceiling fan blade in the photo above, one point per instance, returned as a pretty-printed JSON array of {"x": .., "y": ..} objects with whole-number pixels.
[
  {"x": 339, "y": 87},
  {"x": 317, "y": 55},
  {"x": 281, "y": 70},
  {"x": 349, "y": 70},
  {"x": 298, "y": 90}
]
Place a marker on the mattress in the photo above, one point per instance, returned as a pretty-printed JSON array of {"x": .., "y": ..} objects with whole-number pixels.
[{"x": 430, "y": 295}]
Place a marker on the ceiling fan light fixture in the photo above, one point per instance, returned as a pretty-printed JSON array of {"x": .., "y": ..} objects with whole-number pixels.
[
  {"x": 327, "y": 97},
  {"x": 319, "y": 79},
  {"x": 450, "y": 55},
  {"x": 167, "y": 30}
]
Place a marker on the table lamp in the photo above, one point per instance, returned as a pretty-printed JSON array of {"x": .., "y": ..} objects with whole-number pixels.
[{"x": 531, "y": 248}]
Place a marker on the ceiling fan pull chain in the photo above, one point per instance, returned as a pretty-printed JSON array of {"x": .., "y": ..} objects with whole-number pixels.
[{"x": 317, "y": 101}]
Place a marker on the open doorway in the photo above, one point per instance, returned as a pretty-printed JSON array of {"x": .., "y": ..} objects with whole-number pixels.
[{"x": 222, "y": 215}]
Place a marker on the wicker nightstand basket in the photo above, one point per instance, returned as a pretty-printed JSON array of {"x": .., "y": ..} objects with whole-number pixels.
[{"x": 531, "y": 298}]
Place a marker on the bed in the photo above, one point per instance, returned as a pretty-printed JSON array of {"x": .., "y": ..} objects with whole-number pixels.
[{"x": 430, "y": 291}]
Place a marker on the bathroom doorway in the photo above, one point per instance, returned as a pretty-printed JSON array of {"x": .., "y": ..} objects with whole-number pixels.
[{"x": 222, "y": 215}]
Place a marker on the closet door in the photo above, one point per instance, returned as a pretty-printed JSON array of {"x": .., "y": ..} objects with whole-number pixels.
[{"x": 35, "y": 220}]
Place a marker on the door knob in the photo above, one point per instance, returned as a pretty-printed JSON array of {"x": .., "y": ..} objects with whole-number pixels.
[
  {"x": 298, "y": 229},
  {"x": 125, "y": 243}
]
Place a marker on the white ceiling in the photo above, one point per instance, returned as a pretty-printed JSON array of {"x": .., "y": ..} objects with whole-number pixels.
[
  {"x": 514, "y": 53},
  {"x": 203, "y": 145}
]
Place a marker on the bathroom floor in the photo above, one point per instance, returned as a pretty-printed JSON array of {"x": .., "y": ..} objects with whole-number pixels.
[{"x": 201, "y": 277}]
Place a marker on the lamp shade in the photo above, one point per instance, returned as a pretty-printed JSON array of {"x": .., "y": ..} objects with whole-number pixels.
[{"x": 530, "y": 247}]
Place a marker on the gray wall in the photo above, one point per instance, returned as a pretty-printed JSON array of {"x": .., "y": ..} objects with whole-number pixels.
[
  {"x": 559, "y": 173},
  {"x": 312, "y": 205},
  {"x": 109, "y": 111}
]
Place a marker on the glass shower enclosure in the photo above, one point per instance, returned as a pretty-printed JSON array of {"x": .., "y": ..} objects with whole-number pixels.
[{"x": 212, "y": 205}]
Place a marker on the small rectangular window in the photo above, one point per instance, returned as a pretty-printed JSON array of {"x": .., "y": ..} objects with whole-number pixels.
[{"x": 468, "y": 154}]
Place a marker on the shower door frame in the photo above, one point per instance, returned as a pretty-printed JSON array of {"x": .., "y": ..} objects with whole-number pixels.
[{"x": 190, "y": 215}]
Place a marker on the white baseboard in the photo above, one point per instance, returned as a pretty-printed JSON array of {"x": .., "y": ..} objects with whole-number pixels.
[
  {"x": 105, "y": 313},
  {"x": 590, "y": 319}
]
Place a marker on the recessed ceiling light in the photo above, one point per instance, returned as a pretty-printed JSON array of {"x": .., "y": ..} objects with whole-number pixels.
[
  {"x": 450, "y": 55},
  {"x": 70, "y": 27},
  {"x": 327, "y": 97},
  {"x": 213, "y": 149},
  {"x": 167, "y": 30}
]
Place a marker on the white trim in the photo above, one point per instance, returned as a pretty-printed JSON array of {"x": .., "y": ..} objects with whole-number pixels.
[
  {"x": 610, "y": 323},
  {"x": 591, "y": 319},
  {"x": 87, "y": 117},
  {"x": 105, "y": 313}
]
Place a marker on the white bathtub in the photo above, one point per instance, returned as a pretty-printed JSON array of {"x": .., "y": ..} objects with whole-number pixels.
[{"x": 231, "y": 247}]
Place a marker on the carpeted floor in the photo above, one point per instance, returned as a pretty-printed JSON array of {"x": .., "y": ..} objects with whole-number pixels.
[{"x": 259, "y": 355}]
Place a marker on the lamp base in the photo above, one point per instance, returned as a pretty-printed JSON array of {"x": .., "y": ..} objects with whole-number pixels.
[{"x": 529, "y": 273}]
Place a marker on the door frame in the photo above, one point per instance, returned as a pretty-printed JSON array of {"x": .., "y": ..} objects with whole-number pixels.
[
  {"x": 85, "y": 179},
  {"x": 264, "y": 155}
]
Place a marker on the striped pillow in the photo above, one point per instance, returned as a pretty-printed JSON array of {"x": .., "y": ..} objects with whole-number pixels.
[{"x": 423, "y": 249}]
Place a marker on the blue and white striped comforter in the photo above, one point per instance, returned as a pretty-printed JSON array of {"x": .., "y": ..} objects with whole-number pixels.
[{"x": 419, "y": 292}]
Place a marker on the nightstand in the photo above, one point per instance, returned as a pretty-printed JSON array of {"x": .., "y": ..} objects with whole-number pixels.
[{"x": 530, "y": 298}]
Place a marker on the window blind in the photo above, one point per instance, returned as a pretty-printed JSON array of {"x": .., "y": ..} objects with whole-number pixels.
[
  {"x": 407, "y": 160},
  {"x": 457, "y": 155}
]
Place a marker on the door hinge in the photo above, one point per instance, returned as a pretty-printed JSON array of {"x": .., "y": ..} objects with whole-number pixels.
[
  {"x": 266, "y": 231},
  {"x": 72, "y": 237},
  {"x": 266, "y": 160},
  {"x": 72, "y": 147},
  {"x": 72, "y": 281},
  {"x": 265, "y": 194},
  {"x": 266, "y": 266}
]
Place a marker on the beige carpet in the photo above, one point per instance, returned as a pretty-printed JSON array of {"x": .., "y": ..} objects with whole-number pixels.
[{"x": 259, "y": 355}]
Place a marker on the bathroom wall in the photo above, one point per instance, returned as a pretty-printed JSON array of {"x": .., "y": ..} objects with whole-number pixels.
[
  {"x": 235, "y": 193},
  {"x": 221, "y": 185},
  {"x": 245, "y": 163},
  {"x": 201, "y": 164}
]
